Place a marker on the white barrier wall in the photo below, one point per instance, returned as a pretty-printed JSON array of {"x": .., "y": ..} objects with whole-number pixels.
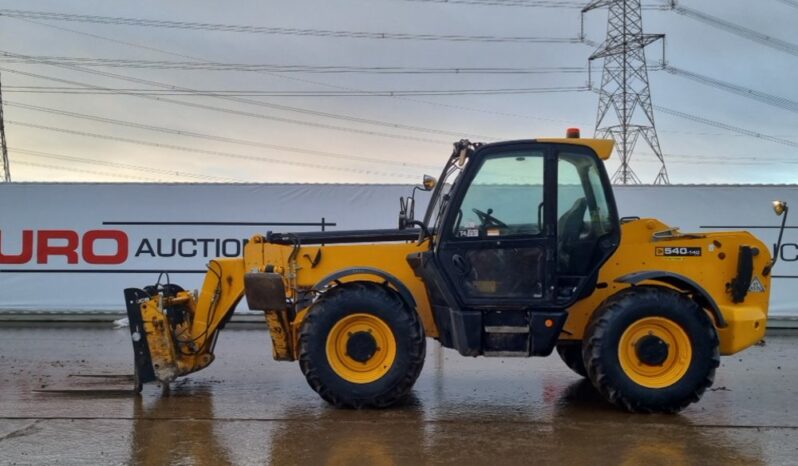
[{"x": 75, "y": 247}]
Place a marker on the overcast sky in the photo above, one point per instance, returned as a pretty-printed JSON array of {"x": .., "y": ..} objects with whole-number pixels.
[{"x": 351, "y": 152}]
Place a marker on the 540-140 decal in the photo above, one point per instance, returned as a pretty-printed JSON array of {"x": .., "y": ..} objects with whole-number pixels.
[{"x": 677, "y": 251}]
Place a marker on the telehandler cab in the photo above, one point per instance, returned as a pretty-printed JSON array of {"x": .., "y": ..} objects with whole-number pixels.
[{"x": 520, "y": 252}]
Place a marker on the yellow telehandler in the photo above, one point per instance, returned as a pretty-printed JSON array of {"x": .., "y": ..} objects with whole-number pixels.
[{"x": 521, "y": 252}]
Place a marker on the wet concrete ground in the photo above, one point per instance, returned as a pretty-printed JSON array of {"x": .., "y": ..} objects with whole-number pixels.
[{"x": 248, "y": 409}]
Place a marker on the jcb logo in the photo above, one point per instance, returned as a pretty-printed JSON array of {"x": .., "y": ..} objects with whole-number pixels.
[
  {"x": 46, "y": 244},
  {"x": 788, "y": 252}
]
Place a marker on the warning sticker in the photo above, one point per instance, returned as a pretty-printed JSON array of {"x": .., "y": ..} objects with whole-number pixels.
[
  {"x": 756, "y": 286},
  {"x": 677, "y": 251}
]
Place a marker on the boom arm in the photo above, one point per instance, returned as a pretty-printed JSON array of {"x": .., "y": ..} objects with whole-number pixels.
[{"x": 222, "y": 290}]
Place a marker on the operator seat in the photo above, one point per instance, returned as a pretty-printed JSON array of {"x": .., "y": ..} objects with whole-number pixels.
[{"x": 569, "y": 227}]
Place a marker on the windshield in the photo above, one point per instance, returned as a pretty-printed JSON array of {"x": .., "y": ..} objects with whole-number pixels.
[
  {"x": 441, "y": 195},
  {"x": 504, "y": 198}
]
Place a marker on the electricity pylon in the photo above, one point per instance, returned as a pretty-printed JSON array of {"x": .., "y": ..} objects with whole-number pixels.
[
  {"x": 6, "y": 169},
  {"x": 624, "y": 87}
]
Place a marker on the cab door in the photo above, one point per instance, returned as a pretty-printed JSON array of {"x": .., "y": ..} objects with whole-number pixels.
[
  {"x": 497, "y": 240},
  {"x": 587, "y": 222}
]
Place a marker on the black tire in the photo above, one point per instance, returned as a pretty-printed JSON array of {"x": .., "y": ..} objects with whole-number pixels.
[
  {"x": 571, "y": 355},
  {"x": 628, "y": 307},
  {"x": 373, "y": 299}
]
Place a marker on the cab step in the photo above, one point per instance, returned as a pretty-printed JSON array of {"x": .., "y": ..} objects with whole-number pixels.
[
  {"x": 506, "y": 329},
  {"x": 520, "y": 333},
  {"x": 506, "y": 354}
]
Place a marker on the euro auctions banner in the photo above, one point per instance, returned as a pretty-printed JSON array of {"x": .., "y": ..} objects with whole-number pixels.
[{"x": 75, "y": 247}]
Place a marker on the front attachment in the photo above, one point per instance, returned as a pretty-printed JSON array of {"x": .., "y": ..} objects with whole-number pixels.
[
  {"x": 152, "y": 319},
  {"x": 141, "y": 351}
]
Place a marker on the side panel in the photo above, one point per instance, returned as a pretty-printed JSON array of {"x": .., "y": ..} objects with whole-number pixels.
[
  {"x": 314, "y": 263},
  {"x": 710, "y": 260}
]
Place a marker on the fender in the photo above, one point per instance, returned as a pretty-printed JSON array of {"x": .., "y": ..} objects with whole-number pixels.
[
  {"x": 404, "y": 292},
  {"x": 680, "y": 282}
]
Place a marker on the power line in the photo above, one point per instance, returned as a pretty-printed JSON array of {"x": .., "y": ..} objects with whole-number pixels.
[
  {"x": 770, "y": 99},
  {"x": 728, "y": 127},
  {"x": 730, "y": 160},
  {"x": 170, "y": 173},
  {"x": 12, "y": 58},
  {"x": 526, "y": 3},
  {"x": 142, "y": 22},
  {"x": 460, "y": 107},
  {"x": 725, "y": 135},
  {"x": 451, "y": 106},
  {"x": 791, "y": 3},
  {"x": 750, "y": 34},
  {"x": 274, "y": 106},
  {"x": 210, "y": 152},
  {"x": 211, "y": 137},
  {"x": 236, "y": 112},
  {"x": 741, "y": 131},
  {"x": 717, "y": 124},
  {"x": 704, "y": 162},
  {"x": 81, "y": 170},
  {"x": 508, "y": 3},
  {"x": 259, "y": 103},
  {"x": 265, "y": 93},
  {"x": 287, "y": 68},
  {"x": 109, "y": 39}
]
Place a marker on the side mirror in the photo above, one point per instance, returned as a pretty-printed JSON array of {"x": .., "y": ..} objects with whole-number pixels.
[
  {"x": 406, "y": 211},
  {"x": 429, "y": 183},
  {"x": 407, "y": 205},
  {"x": 779, "y": 207}
]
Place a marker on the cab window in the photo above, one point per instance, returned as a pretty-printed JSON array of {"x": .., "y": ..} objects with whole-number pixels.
[
  {"x": 505, "y": 198},
  {"x": 582, "y": 212}
]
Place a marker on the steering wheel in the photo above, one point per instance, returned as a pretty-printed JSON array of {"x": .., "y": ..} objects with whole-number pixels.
[{"x": 489, "y": 220}]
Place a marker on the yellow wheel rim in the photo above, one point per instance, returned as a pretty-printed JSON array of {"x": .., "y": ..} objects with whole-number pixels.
[
  {"x": 665, "y": 370},
  {"x": 361, "y": 348}
]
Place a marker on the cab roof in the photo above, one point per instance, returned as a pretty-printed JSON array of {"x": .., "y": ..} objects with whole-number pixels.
[{"x": 602, "y": 147}]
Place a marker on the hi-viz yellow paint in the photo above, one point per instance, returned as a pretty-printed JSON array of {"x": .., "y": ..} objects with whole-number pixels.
[
  {"x": 375, "y": 363},
  {"x": 364, "y": 348},
  {"x": 745, "y": 322},
  {"x": 713, "y": 271},
  {"x": 673, "y": 366}
]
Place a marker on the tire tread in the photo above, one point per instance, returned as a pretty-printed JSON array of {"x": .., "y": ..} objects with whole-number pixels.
[
  {"x": 339, "y": 296},
  {"x": 597, "y": 331}
]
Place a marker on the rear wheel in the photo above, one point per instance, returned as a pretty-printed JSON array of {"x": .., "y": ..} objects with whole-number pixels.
[
  {"x": 651, "y": 349},
  {"x": 571, "y": 355},
  {"x": 361, "y": 346}
]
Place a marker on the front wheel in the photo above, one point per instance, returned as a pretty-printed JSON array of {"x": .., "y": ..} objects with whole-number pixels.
[
  {"x": 651, "y": 349},
  {"x": 361, "y": 346}
]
